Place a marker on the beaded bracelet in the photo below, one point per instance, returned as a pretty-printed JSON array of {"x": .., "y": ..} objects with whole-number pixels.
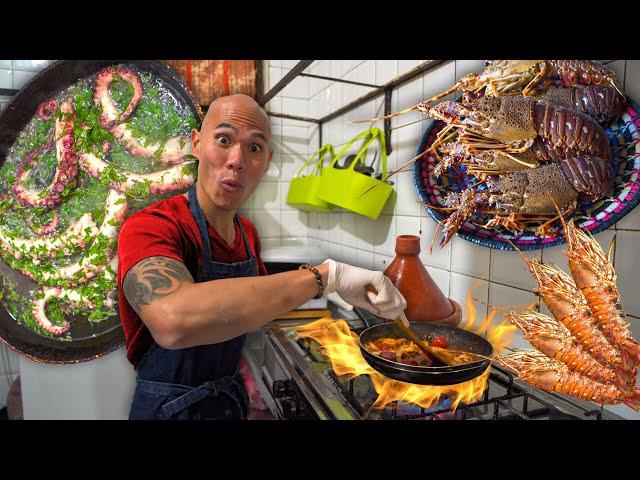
[{"x": 318, "y": 277}]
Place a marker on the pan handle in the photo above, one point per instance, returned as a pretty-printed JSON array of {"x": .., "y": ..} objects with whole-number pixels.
[{"x": 368, "y": 318}]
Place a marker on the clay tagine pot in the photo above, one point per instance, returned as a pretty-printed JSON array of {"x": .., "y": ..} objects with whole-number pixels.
[{"x": 426, "y": 302}]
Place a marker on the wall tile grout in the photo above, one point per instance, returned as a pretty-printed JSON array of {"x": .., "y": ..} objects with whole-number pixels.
[{"x": 627, "y": 229}]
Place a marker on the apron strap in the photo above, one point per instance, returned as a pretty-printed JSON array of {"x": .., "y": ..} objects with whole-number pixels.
[
  {"x": 198, "y": 215},
  {"x": 192, "y": 395},
  {"x": 244, "y": 237}
]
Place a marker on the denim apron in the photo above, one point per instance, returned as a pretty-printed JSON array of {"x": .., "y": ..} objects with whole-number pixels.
[{"x": 198, "y": 382}]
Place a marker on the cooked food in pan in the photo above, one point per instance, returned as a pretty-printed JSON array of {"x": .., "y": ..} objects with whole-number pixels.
[{"x": 407, "y": 352}]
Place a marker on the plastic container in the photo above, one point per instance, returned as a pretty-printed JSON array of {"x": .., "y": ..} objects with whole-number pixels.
[
  {"x": 303, "y": 190},
  {"x": 352, "y": 190}
]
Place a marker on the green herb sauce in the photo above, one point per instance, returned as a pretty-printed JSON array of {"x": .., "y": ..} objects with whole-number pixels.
[{"x": 155, "y": 119}]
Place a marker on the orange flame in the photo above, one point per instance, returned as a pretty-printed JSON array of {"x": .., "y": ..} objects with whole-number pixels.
[{"x": 340, "y": 345}]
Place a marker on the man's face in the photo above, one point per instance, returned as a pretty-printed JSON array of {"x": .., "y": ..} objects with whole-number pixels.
[{"x": 233, "y": 149}]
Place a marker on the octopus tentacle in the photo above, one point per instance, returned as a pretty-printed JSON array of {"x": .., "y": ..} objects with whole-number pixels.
[
  {"x": 102, "y": 96},
  {"x": 40, "y": 304},
  {"x": 74, "y": 296},
  {"x": 172, "y": 152},
  {"x": 46, "y": 110},
  {"x": 24, "y": 169},
  {"x": 163, "y": 181},
  {"x": 85, "y": 269},
  {"x": 74, "y": 237},
  {"x": 49, "y": 227},
  {"x": 66, "y": 169}
]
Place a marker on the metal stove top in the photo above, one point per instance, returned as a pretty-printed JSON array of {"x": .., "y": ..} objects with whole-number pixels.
[{"x": 297, "y": 383}]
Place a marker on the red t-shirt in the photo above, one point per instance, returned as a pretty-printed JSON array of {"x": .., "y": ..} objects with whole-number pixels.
[{"x": 167, "y": 228}]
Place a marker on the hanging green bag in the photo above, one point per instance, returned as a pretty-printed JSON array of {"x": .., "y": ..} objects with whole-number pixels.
[
  {"x": 349, "y": 188},
  {"x": 303, "y": 190}
]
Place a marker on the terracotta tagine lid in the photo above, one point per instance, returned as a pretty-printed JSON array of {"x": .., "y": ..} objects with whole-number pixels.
[{"x": 426, "y": 302}]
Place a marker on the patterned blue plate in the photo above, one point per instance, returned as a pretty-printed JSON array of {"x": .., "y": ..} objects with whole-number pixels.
[{"x": 624, "y": 135}]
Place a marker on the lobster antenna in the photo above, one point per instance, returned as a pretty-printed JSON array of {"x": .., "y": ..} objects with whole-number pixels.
[
  {"x": 527, "y": 308},
  {"x": 392, "y": 173},
  {"x": 518, "y": 160},
  {"x": 486, "y": 304},
  {"x": 433, "y": 239},
  {"x": 615, "y": 85},
  {"x": 455, "y": 88},
  {"x": 385, "y": 117},
  {"x": 428, "y": 205}
]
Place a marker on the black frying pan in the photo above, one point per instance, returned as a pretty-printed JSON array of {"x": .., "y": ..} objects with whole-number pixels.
[
  {"x": 457, "y": 338},
  {"x": 88, "y": 341}
]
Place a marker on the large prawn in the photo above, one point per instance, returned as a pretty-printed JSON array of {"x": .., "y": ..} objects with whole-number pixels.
[
  {"x": 543, "y": 372},
  {"x": 554, "y": 340},
  {"x": 596, "y": 277},
  {"x": 568, "y": 305}
]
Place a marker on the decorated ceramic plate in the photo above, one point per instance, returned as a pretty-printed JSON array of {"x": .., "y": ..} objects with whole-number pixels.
[{"x": 624, "y": 136}]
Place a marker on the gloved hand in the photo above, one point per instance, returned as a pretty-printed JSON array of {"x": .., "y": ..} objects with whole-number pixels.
[{"x": 346, "y": 286}]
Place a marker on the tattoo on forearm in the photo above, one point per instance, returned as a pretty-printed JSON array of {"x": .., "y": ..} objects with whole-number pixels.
[{"x": 154, "y": 278}]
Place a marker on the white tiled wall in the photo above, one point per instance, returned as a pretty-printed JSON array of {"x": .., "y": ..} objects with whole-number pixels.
[
  {"x": 377, "y": 237},
  {"x": 15, "y": 73},
  {"x": 499, "y": 277},
  {"x": 403, "y": 214}
]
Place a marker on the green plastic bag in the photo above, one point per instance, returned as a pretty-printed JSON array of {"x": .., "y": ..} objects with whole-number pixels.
[
  {"x": 353, "y": 190},
  {"x": 303, "y": 190}
]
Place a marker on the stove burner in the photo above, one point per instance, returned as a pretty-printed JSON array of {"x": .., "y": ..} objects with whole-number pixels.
[
  {"x": 501, "y": 400},
  {"x": 500, "y": 407},
  {"x": 303, "y": 385}
]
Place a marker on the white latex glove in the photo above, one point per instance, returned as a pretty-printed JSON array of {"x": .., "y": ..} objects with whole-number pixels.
[
  {"x": 335, "y": 298},
  {"x": 346, "y": 284}
]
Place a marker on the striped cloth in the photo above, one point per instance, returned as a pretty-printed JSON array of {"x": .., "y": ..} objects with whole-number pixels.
[{"x": 210, "y": 79}]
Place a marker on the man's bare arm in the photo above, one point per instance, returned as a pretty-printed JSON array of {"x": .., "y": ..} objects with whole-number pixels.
[
  {"x": 154, "y": 278},
  {"x": 180, "y": 313}
]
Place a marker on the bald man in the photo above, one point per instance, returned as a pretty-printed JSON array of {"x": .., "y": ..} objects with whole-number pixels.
[{"x": 191, "y": 283}]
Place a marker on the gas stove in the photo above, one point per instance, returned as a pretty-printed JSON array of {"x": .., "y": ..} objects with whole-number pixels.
[{"x": 298, "y": 383}]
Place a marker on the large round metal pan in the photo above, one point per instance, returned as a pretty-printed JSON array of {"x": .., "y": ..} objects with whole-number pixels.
[
  {"x": 457, "y": 338},
  {"x": 88, "y": 342}
]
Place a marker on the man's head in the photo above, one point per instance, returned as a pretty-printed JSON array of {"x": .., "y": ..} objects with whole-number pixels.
[{"x": 233, "y": 148}]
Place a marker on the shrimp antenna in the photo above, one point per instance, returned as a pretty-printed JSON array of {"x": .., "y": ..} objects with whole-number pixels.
[
  {"x": 520, "y": 254},
  {"x": 561, "y": 217},
  {"x": 612, "y": 248}
]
